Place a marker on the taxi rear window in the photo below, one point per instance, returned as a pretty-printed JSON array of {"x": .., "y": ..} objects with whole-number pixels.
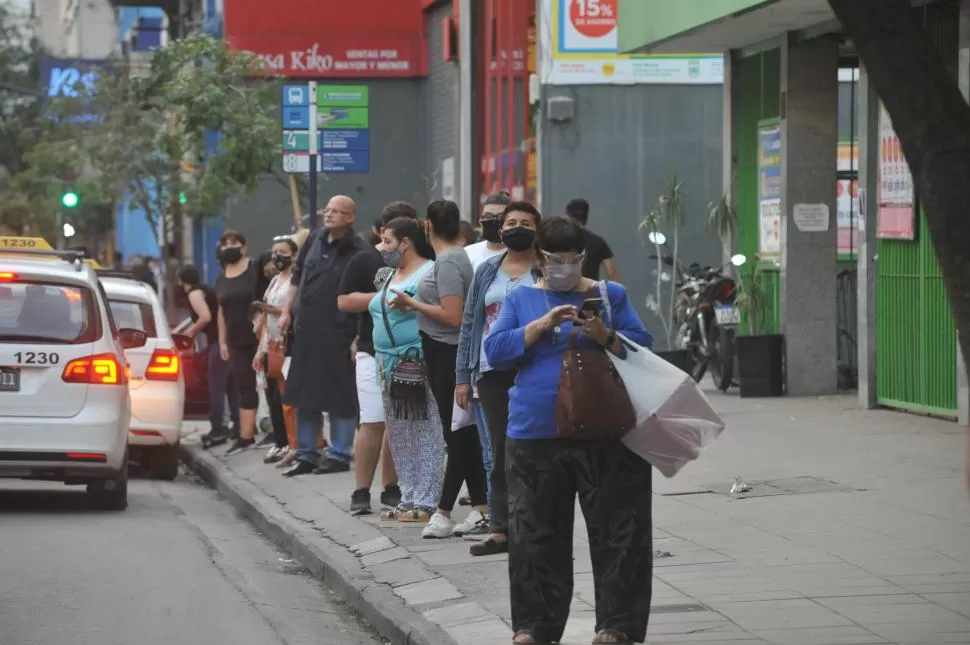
[
  {"x": 37, "y": 312},
  {"x": 133, "y": 315}
]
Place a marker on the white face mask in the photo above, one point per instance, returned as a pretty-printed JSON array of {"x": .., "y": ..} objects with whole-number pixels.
[{"x": 564, "y": 277}]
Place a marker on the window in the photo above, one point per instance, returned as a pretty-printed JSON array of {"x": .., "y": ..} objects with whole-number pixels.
[
  {"x": 34, "y": 312},
  {"x": 133, "y": 315}
]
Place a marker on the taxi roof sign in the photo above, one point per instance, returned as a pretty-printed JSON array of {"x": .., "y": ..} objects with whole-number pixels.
[{"x": 34, "y": 244}]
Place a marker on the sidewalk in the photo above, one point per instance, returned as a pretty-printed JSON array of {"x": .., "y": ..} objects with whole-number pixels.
[{"x": 856, "y": 531}]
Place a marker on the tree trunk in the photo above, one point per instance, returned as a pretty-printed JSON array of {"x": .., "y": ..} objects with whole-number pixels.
[{"x": 932, "y": 120}]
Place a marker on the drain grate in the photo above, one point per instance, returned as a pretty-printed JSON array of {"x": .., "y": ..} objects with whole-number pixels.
[{"x": 789, "y": 486}]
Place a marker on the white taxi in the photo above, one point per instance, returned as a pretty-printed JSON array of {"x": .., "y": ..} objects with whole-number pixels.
[
  {"x": 64, "y": 402},
  {"x": 155, "y": 375}
]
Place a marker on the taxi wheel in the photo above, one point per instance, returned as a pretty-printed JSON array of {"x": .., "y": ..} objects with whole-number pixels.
[
  {"x": 164, "y": 463},
  {"x": 111, "y": 494}
]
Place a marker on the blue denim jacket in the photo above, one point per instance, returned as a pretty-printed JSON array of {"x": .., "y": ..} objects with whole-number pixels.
[{"x": 473, "y": 321}]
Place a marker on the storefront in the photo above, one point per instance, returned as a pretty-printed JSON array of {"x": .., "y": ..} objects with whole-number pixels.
[{"x": 790, "y": 153}]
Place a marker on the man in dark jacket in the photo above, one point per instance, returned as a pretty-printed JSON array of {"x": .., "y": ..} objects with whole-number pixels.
[{"x": 322, "y": 377}]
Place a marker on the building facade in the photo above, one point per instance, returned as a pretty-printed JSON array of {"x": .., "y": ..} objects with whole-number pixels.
[{"x": 789, "y": 175}]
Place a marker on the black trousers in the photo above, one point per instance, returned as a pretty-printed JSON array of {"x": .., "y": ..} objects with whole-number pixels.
[
  {"x": 274, "y": 401},
  {"x": 615, "y": 489},
  {"x": 243, "y": 375},
  {"x": 493, "y": 393},
  {"x": 464, "y": 463}
]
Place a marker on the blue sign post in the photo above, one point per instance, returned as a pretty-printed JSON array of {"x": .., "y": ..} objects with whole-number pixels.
[{"x": 298, "y": 114}]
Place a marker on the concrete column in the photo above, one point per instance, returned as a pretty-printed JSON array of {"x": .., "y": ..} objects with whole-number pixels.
[
  {"x": 868, "y": 136},
  {"x": 729, "y": 163},
  {"x": 963, "y": 77},
  {"x": 809, "y": 137}
]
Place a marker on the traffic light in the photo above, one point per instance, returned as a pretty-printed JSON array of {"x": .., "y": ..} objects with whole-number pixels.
[
  {"x": 69, "y": 199},
  {"x": 182, "y": 199}
]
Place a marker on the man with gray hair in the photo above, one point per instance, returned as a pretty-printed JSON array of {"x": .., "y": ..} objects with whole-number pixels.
[{"x": 322, "y": 377}]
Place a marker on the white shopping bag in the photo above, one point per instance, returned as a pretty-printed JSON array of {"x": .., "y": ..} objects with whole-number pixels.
[
  {"x": 286, "y": 367},
  {"x": 461, "y": 418},
  {"x": 675, "y": 421}
]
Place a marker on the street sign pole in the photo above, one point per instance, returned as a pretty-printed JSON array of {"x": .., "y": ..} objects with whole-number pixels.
[{"x": 313, "y": 155}]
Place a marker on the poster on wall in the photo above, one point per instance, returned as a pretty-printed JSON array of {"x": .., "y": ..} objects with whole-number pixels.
[
  {"x": 579, "y": 47},
  {"x": 847, "y": 201},
  {"x": 769, "y": 191},
  {"x": 896, "y": 216}
]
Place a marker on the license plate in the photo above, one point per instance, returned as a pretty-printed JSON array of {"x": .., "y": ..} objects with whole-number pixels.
[
  {"x": 727, "y": 315},
  {"x": 9, "y": 379}
]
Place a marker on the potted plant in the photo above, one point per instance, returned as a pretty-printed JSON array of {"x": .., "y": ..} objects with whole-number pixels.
[
  {"x": 761, "y": 356},
  {"x": 670, "y": 211}
]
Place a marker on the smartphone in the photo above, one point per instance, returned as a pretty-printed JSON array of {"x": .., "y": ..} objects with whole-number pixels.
[{"x": 591, "y": 308}]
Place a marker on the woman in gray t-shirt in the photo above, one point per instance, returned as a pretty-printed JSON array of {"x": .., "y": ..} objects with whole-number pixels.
[{"x": 440, "y": 302}]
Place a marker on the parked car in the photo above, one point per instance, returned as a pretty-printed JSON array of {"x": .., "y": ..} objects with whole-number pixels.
[
  {"x": 155, "y": 374},
  {"x": 65, "y": 406}
]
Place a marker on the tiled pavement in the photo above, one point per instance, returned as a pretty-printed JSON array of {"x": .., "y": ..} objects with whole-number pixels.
[{"x": 855, "y": 532}]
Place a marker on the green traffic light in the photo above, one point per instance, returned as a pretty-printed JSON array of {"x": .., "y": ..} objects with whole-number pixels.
[
  {"x": 182, "y": 198},
  {"x": 69, "y": 200}
]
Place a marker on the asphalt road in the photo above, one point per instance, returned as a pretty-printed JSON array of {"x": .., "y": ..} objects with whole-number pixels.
[{"x": 178, "y": 567}]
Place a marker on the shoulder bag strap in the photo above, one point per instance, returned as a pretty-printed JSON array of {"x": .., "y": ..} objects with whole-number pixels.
[{"x": 387, "y": 322}]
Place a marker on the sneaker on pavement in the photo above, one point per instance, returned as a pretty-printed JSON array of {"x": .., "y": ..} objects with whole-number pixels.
[
  {"x": 391, "y": 496},
  {"x": 215, "y": 437},
  {"x": 489, "y": 547},
  {"x": 332, "y": 466},
  {"x": 275, "y": 454},
  {"x": 474, "y": 524},
  {"x": 360, "y": 502},
  {"x": 438, "y": 527},
  {"x": 301, "y": 468},
  {"x": 239, "y": 445}
]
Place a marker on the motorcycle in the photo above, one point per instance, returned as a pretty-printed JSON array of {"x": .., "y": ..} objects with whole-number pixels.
[{"x": 706, "y": 318}]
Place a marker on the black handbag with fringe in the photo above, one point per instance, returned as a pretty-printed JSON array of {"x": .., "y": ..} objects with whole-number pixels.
[{"x": 408, "y": 378}]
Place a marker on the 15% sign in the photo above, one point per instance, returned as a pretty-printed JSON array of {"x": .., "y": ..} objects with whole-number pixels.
[{"x": 593, "y": 18}]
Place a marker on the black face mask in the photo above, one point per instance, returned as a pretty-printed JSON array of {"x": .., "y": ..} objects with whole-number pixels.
[
  {"x": 490, "y": 230},
  {"x": 282, "y": 262},
  {"x": 518, "y": 238},
  {"x": 230, "y": 255}
]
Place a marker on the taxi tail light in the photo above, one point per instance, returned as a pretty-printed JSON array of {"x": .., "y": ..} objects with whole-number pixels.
[
  {"x": 101, "y": 369},
  {"x": 7, "y": 276},
  {"x": 164, "y": 366}
]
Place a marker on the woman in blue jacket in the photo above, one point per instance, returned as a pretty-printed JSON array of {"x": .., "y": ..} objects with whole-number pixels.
[
  {"x": 494, "y": 280},
  {"x": 545, "y": 473}
]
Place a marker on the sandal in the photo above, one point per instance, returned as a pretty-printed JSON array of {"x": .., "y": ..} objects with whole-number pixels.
[
  {"x": 415, "y": 515},
  {"x": 527, "y": 637},
  {"x": 394, "y": 514},
  {"x": 616, "y": 638}
]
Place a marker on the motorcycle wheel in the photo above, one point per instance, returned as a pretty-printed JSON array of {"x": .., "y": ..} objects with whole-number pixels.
[
  {"x": 699, "y": 369},
  {"x": 722, "y": 358}
]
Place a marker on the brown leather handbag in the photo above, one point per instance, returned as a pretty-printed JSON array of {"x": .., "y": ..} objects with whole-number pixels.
[
  {"x": 275, "y": 356},
  {"x": 593, "y": 402}
]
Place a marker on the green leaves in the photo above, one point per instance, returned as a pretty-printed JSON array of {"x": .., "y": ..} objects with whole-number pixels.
[{"x": 188, "y": 121}]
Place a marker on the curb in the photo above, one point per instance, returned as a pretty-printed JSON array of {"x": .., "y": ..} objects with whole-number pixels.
[{"x": 375, "y": 602}]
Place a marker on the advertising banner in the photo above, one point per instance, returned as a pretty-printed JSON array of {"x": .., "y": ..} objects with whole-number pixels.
[
  {"x": 896, "y": 217},
  {"x": 769, "y": 191},
  {"x": 579, "y": 47},
  {"x": 317, "y": 39}
]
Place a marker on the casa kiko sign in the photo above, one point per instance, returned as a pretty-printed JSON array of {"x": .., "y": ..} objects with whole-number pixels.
[
  {"x": 326, "y": 39},
  {"x": 387, "y": 58}
]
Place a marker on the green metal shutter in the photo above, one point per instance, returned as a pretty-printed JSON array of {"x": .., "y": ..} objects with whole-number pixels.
[{"x": 916, "y": 336}]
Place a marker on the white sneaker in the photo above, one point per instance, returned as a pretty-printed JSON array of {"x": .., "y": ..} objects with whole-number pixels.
[
  {"x": 472, "y": 524},
  {"x": 438, "y": 526}
]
